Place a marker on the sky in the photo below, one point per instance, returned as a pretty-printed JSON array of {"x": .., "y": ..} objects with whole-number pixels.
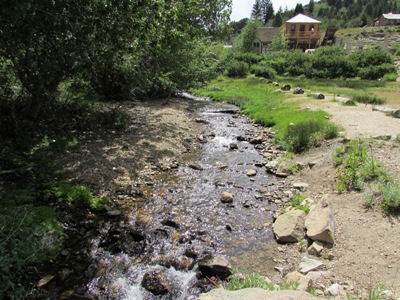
[{"x": 242, "y": 8}]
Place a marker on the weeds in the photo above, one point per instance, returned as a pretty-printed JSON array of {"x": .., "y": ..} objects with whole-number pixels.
[
  {"x": 252, "y": 280},
  {"x": 298, "y": 202},
  {"x": 368, "y": 99}
]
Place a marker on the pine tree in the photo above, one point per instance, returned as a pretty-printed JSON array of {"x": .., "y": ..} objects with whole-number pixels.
[
  {"x": 278, "y": 19},
  {"x": 311, "y": 6},
  {"x": 298, "y": 9},
  {"x": 256, "y": 11}
]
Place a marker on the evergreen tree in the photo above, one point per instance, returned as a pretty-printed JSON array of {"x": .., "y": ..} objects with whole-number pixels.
[
  {"x": 256, "y": 11},
  {"x": 278, "y": 21},
  {"x": 298, "y": 9},
  {"x": 311, "y": 6}
]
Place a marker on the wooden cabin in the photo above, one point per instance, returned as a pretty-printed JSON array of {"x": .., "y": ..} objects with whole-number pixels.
[
  {"x": 264, "y": 38},
  {"x": 302, "y": 32}
]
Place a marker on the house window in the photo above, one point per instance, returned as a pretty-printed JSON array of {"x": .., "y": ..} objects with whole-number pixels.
[
  {"x": 256, "y": 45},
  {"x": 293, "y": 28},
  {"x": 302, "y": 27},
  {"x": 311, "y": 28}
]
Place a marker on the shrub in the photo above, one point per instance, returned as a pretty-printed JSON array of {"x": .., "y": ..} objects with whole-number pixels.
[
  {"x": 266, "y": 72},
  {"x": 252, "y": 280},
  {"x": 350, "y": 103},
  {"x": 375, "y": 72},
  {"x": 302, "y": 136},
  {"x": 390, "y": 196},
  {"x": 237, "y": 69},
  {"x": 368, "y": 99},
  {"x": 390, "y": 77},
  {"x": 249, "y": 58}
]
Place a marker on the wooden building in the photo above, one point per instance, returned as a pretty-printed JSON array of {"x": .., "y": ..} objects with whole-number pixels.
[
  {"x": 302, "y": 32},
  {"x": 264, "y": 38}
]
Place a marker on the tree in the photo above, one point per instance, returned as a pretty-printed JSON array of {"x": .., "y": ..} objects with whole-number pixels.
[
  {"x": 263, "y": 10},
  {"x": 311, "y": 6},
  {"x": 278, "y": 19},
  {"x": 245, "y": 40},
  {"x": 298, "y": 9},
  {"x": 256, "y": 11}
]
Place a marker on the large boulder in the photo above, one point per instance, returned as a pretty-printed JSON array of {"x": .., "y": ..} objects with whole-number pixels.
[
  {"x": 319, "y": 223},
  {"x": 155, "y": 282},
  {"x": 255, "y": 294},
  {"x": 217, "y": 266},
  {"x": 305, "y": 283},
  {"x": 289, "y": 227}
]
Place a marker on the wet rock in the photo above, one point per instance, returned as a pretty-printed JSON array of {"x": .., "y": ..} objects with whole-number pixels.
[
  {"x": 241, "y": 138},
  {"x": 226, "y": 197},
  {"x": 289, "y": 227},
  {"x": 257, "y": 140},
  {"x": 251, "y": 173},
  {"x": 308, "y": 265},
  {"x": 156, "y": 283},
  {"x": 218, "y": 266},
  {"x": 114, "y": 213},
  {"x": 171, "y": 223},
  {"x": 320, "y": 224},
  {"x": 233, "y": 146},
  {"x": 195, "y": 166}
]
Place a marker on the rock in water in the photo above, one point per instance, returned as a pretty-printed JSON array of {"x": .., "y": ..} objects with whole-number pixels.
[
  {"x": 155, "y": 282},
  {"x": 226, "y": 197},
  {"x": 218, "y": 266}
]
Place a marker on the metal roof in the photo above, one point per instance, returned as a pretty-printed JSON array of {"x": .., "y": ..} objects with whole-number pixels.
[
  {"x": 300, "y": 18},
  {"x": 391, "y": 16}
]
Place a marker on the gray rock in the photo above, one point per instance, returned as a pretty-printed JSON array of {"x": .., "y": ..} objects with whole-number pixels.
[
  {"x": 255, "y": 294},
  {"x": 286, "y": 87},
  {"x": 233, "y": 146},
  {"x": 302, "y": 186},
  {"x": 156, "y": 283},
  {"x": 195, "y": 166},
  {"x": 333, "y": 290},
  {"x": 251, "y": 173},
  {"x": 319, "y": 223},
  {"x": 396, "y": 114},
  {"x": 308, "y": 265},
  {"x": 218, "y": 266},
  {"x": 282, "y": 170},
  {"x": 257, "y": 140},
  {"x": 114, "y": 213},
  {"x": 226, "y": 197},
  {"x": 289, "y": 227},
  {"x": 298, "y": 90}
]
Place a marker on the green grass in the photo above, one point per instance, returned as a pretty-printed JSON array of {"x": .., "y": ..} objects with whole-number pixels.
[
  {"x": 265, "y": 106},
  {"x": 296, "y": 202}
]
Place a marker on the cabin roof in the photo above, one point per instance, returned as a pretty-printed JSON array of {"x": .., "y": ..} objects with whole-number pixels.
[
  {"x": 391, "y": 16},
  {"x": 300, "y": 18}
]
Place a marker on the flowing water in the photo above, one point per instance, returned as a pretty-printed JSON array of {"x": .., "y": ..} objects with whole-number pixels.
[{"x": 183, "y": 219}]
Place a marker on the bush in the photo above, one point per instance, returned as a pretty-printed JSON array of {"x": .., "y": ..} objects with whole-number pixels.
[
  {"x": 302, "y": 136},
  {"x": 391, "y": 196},
  {"x": 249, "y": 58},
  {"x": 350, "y": 103},
  {"x": 375, "y": 72},
  {"x": 237, "y": 69},
  {"x": 265, "y": 72},
  {"x": 390, "y": 77},
  {"x": 368, "y": 99}
]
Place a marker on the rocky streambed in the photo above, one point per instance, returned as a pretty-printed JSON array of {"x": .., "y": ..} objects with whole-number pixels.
[{"x": 163, "y": 233}]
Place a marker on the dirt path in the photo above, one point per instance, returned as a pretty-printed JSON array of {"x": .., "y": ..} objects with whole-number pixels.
[{"x": 367, "y": 247}]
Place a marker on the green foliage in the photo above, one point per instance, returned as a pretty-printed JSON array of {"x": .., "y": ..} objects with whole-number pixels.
[
  {"x": 245, "y": 40},
  {"x": 265, "y": 72},
  {"x": 250, "y": 58},
  {"x": 237, "y": 69},
  {"x": 22, "y": 229},
  {"x": 356, "y": 167},
  {"x": 390, "y": 77},
  {"x": 375, "y": 72},
  {"x": 297, "y": 202},
  {"x": 368, "y": 99},
  {"x": 77, "y": 195},
  {"x": 349, "y": 103},
  {"x": 252, "y": 280},
  {"x": 390, "y": 193},
  {"x": 301, "y": 136}
]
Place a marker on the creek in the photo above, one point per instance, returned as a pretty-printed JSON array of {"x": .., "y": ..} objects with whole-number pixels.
[{"x": 179, "y": 219}]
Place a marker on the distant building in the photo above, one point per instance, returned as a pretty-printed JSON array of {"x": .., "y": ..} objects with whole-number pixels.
[
  {"x": 389, "y": 19},
  {"x": 302, "y": 32},
  {"x": 264, "y": 38}
]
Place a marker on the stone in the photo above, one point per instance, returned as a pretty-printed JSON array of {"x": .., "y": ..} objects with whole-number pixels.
[
  {"x": 114, "y": 213},
  {"x": 298, "y": 90},
  {"x": 396, "y": 114},
  {"x": 286, "y": 87},
  {"x": 315, "y": 248},
  {"x": 289, "y": 227},
  {"x": 156, "y": 283},
  {"x": 226, "y": 197},
  {"x": 319, "y": 223},
  {"x": 195, "y": 167},
  {"x": 233, "y": 146},
  {"x": 257, "y": 140},
  {"x": 251, "y": 173},
  {"x": 305, "y": 284},
  {"x": 217, "y": 266},
  {"x": 282, "y": 170},
  {"x": 255, "y": 294},
  {"x": 302, "y": 186},
  {"x": 171, "y": 223},
  {"x": 308, "y": 265},
  {"x": 333, "y": 290},
  {"x": 320, "y": 96}
]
